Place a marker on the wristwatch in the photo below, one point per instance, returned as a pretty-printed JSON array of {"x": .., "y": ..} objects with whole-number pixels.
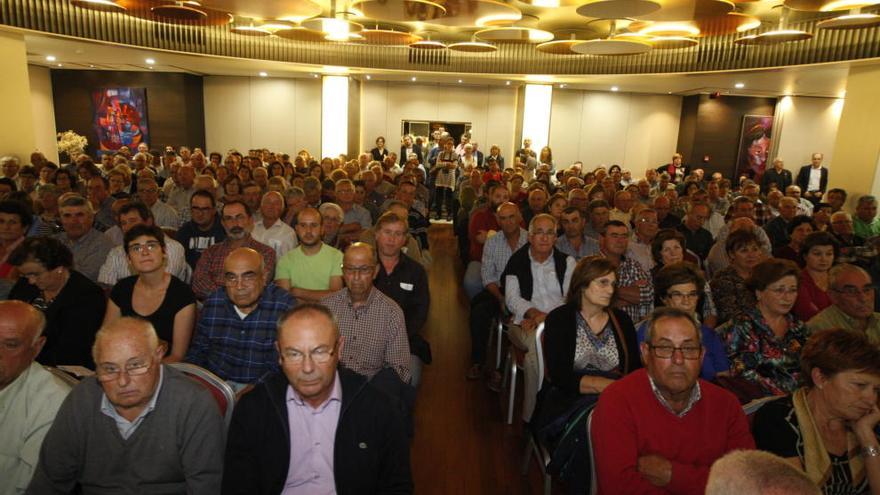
[{"x": 871, "y": 451}]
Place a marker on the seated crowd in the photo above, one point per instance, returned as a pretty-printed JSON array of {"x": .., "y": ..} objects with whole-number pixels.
[{"x": 668, "y": 307}]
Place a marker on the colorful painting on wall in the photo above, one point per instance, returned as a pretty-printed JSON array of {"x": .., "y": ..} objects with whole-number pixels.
[
  {"x": 120, "y": 118},
  {"x": 754, "y": 146}
]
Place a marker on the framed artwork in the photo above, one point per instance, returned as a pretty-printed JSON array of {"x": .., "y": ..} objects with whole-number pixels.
[
  {"x": 754, "y": 146},
  {"x": 120, "y": 118}
]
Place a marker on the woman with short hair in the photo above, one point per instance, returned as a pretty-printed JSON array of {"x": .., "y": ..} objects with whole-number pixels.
[
  {"x": 729, "y": 290},
  {"x": 828, "y": 426},
  {"x": 764, "y": 341},
  {"x": 819, "y": 250},
  {"x": 15, "y": 221},
  {"x": 798, "y": 229}
]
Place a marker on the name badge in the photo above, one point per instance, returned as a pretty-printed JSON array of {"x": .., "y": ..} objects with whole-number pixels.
[{"x": 408, "y": 287}]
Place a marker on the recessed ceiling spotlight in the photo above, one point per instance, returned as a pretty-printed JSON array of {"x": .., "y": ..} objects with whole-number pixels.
[
  {"x": 413, "y": 79},
  {"x": 92, "y": 66},
  {"x": 263, "y": 74},
  {"x": 507, "y": 83},
  {"x": 614, "y": 88},
  {"x": 739, "y": 85},
  {"x": 315, "y": 75},
  {"x": 669, "y": 92},
  {"x": 561, "y": 86},
  {"x": 50, "y": 58},
  {"x": 369, "y": 77},
  {"x": 150, "y": 61},
  {"x": 59, "y": 65},
  {"x": 151, "y": 67},
  {"x": 459, "y": 81}
]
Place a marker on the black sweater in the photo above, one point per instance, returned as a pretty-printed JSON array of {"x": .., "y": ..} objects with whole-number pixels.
[{"x": 371, "y": 450}]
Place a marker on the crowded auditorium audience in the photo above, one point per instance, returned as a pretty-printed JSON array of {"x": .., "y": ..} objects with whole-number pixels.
[{"x": 663, "y": 320}]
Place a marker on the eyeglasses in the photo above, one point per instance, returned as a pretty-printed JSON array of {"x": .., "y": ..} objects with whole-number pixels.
[
  {"x": 546, "y": 233},
  {"x": 666, "y": 351},
  {"x": 150, "y": 246},
  {"x": 358, "y": 270},
  {"x": 683, "y": 295},
  {"x": 851, "y": 290},
  {"x": 246, "y": 277},
  {"x": 110, "y": 373},
  {"x": 320, "y": 355}
]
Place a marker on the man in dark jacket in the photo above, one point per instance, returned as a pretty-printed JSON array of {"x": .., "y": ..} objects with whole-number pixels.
[{"x": 314, "y": 427}]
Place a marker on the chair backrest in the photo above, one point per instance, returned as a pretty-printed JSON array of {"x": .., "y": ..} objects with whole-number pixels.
[
  {"x": 594, "y": 483},
  {"x": 62, "y": 375},
  {"x": 539, "y": 353},
  {"x": 219, "y": 389}
]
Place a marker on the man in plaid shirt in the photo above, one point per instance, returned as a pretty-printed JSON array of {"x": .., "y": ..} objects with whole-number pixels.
[
  {"x": 635, "y": 290},
  {"x": 235, "y": 335}
]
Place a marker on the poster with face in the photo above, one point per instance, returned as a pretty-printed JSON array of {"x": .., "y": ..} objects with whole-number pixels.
[
  {"x": 754, "y": 146},
  {"x": 120, "y": 118}
]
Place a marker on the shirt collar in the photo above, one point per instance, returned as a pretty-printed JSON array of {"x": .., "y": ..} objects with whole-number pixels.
[
  {"x": 110, "y": 410},
  {"x": 370, "y": 298},
  {"x": 335, "y": 395},
  {"x": 696, "y": 395}
]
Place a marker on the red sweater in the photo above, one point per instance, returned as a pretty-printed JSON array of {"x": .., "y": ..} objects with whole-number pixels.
[
  {"x": 482, "y": 219},
  {"x": 630, "y": 422}
]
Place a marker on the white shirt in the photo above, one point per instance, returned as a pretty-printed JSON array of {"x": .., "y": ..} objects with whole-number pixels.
[
  {"x": 280, "y": 237},
  {"x": 117, "y": 267},
  {"x": 640, "y": 252},
  {"x": 815, "y": 179},
  {"x": 546, "y": 295}
]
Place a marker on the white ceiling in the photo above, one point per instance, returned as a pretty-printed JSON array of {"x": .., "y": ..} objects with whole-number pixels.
[{"x": 821, "y": 80}]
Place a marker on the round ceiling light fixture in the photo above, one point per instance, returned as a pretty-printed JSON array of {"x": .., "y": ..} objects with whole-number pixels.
[
  {"x": 180, "y": 12},
  {"x": 473, "y": 47},
  {"x": 779, "y": 35},
  {"x": 611, "y": 9},
  {"x": 851, "y": 21},
  {"x": 400, "y": 10},
  {"x": 250, "y": 29},
  {"x": 514, "y": 34},
  {"x": 388, "y": 37},
  {"x": 558, "y": 47},
  {"x": 334, "y": 28},
  {"x": 674, "y": 29},
  {"x": 428, "y": 45},
  {"x": 835, "y": 5},
  {"x": 611, "y": 47},
  {"x": 99, "y": 5},
  {"x": 673, "y": 42}
]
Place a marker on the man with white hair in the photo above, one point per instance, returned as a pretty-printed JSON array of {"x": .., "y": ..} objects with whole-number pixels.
[
  {"x": 159, "y": 431},
  {"x": 166, "y": 216},
  {"x": 270, "y": 230},
  {"x": 88, "y": 245},
  {"x": 755, "y": 472},
  {"x": 178, "y": 198},
  {"x": 29, "y": 395}
]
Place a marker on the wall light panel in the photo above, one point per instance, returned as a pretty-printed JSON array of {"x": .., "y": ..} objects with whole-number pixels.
[
  {"x": 334, "y": 116},
  {"x": 536, "y": 114}
]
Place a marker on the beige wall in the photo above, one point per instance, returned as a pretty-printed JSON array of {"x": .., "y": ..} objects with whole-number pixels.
[
  {"x": 857, "y": 149},
  {"x": 17, "y": 128},
  {"x": 634, "y": 131},
  {"x": 806, "y": 126},
  {"x": 385, "y": 104},
  {"x": 43, "y": 106},
  {"x": 253, "y": 112}
]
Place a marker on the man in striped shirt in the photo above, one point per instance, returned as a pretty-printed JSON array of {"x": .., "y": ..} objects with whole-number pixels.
[{"x": 235, "y": 335}]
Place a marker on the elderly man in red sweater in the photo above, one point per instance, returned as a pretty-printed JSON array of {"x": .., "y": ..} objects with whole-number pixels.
[{"x": 659, "y": 429}]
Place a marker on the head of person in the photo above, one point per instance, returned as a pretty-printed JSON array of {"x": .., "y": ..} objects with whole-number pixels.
[
  {"x": 673, "y": 351},
  {"x": 309, "y": 345},
  {"x": 77, "y": 216},
  {"x": 744, "y": 250},
  {"x": 822, "y": 214},
  {"x": 43, "y": 261},
  {"x": 615, "y": 238},
  {"x": 244, "y": 278},
  {"x": 816, "y": 160},
  {"x": 557, "y": 204},
  {"x": 799, "y": 228},
  {"x": 272, "y": 206},
  {"x": 133, "y": 213},
  {"x": 309, "y": 227},
  {"x": 775, "y": 284},
  {"x": 21, "y": 339},
  {"x": 237, "y": 220},
  {"x": 668, "y": 247},
  {"x": 850, "y": 289},
  {"x": 819, "y": 250},
  {"x": 577, "y": 198},
  {"x": 251, "y": 193},
  {"x": 203, "y": 209},
  {"x": 359, "y": 268},
  {"x": 697, "y": 216},
  {"x": 509, "y": 218},
  {"x": 866, "y": 208},
  {"x": 15, "y": 220},
  {"x": 842, "y": 224},
  {"x": 145, "y": 246},
  {"x": 332, "y": 216},
  {"x": 406, "y": 192},
  {"x": 788, "y": 208},
  {"x": 841, "y": 368},
  {"x": 186, "y": 175},
  {"x": 345, "y": 192},
  {"x": 837, "y": 198},
  {"x": 646, "y": 224},
  {"x": 391, "y": 234},
  {"x": 573, "y": 222},
  {"x": 592, "y": 283},
  {"x": 599, "y": 214},
  {"x": 623, "y": 201},
  {"x": 542, "y": 235},
  {"x": 679, "y": 285},
  {"x": 127, "y": 358},
  {"x": 755, "y": 472},
  {"x": 537, "y": 199},
  {"x": 260, "y": 176}
]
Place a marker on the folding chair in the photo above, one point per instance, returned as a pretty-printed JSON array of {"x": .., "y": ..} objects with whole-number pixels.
[
  {"x": 220, "y": 390},
  {"x": 533, "y": 444}
]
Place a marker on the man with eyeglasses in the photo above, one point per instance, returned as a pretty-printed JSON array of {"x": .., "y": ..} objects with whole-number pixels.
[
  {"x": 315, "y": 426},
  {"x": 371, "y": 323},
  {"x": 29, "y": 395},
  {"x": 117, "y": 266},
  {"x": 639, "y": 247},
  {"x": 234, "y": 337},
  {"x": 237, "y": 219},
  {"x": 852, "y": 303},
  {"x": 165, "y": 216},
  {"x": 137, "y": 426},
  {"x": 659, "y": 429},
  {"x": 204, "y": 230}
]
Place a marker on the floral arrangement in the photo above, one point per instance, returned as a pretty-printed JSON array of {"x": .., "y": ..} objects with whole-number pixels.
[{"x": 71, "y": 143}]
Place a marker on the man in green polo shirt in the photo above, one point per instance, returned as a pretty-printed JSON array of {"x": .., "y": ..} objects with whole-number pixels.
[
  {"x": 852, "y": 308},
  {"x": 313, "y": 270},
  {"x": 865, "y": 221}
]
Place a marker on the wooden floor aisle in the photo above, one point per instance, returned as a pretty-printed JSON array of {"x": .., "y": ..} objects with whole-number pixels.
[{"x": 462, "y": 444}]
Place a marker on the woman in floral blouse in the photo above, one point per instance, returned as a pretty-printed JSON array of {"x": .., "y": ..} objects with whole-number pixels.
[
  {"x": 764, "y": 341},
  {"x": 729, "y": 285}
]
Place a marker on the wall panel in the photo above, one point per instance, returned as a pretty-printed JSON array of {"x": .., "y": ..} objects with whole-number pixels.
[{"x": 43, "y": 107}]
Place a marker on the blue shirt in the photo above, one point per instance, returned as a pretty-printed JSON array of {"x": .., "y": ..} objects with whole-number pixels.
[
  {"x": 235, "y": 348},
  {"x": 715, "y": 360}
]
